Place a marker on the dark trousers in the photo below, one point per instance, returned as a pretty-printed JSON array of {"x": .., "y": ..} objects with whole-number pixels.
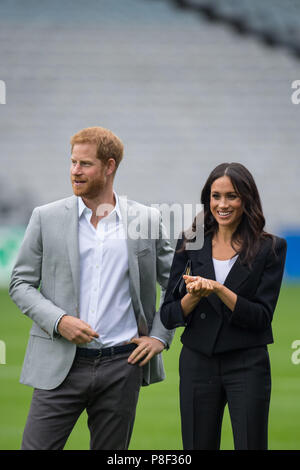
[
  {"x": 240, "y": 379},
  {"x": 107, "y": 388}
]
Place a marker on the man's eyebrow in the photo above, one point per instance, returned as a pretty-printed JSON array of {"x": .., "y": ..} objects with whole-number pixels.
[{"x": 81, "y": 161}]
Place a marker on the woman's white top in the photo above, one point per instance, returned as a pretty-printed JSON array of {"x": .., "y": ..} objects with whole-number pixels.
[{"x": 222, "y": 268}]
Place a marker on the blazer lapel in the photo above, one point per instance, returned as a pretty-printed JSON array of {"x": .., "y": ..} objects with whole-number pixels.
[
  {"x": 129, "y": 217},
  {"x": 71, "y": 234},
  {"x": 236, "y": 276},
  {"x": 203, "y": 266},
  {"x": 204, "y": 260}
]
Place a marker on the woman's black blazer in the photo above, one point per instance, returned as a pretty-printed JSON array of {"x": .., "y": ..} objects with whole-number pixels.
[{"x": 212, "y": 327}]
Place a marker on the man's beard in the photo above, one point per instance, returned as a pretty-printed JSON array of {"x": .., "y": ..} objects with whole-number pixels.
[{"x": 89, "y": 190}]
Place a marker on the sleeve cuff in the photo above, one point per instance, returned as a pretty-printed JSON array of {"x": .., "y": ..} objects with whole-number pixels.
[
  {"x": 161, "y": 340},
  {"x": 56, "y": 324}
]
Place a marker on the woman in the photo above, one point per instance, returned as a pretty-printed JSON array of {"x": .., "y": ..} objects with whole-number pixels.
[{"x": 226, "y": 305}]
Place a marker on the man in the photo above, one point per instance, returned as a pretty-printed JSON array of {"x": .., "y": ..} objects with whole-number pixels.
[{"x": 88, "y": 281}]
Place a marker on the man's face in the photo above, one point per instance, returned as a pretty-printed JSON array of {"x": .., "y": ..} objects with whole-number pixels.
[{"x": 88, "y": 173}]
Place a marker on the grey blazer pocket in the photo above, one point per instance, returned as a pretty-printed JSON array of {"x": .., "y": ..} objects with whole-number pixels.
[{"x": 37, "y": 331}]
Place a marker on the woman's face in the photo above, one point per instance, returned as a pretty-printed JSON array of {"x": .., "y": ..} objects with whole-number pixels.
[{"x": 225, "y": 203}]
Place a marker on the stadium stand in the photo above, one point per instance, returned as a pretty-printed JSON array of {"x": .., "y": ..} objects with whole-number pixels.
[
  {"x": 183, "y": 93},
  {"x": 274, "y": 21}
]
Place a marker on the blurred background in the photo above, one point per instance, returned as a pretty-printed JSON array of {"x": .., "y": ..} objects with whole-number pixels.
[{"x": 186, "y": 85}]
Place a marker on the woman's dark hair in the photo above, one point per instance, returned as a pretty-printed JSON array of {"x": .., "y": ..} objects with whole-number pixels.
[{"x": 250, "y": 230}]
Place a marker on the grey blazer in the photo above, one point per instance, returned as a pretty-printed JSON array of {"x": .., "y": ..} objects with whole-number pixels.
[{"x": 45, "y": 284}]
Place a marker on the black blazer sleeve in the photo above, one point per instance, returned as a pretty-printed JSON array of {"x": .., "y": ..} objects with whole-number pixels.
[
  {"x": 257, "y": 313},
  {"x": 171, "y": 313}
]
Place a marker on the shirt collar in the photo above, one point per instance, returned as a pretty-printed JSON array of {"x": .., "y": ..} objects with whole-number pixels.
[{"x": 83, "y": 208}]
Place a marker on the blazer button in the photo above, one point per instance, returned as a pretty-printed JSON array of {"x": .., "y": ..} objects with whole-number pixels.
[{"x": 203, "y": 316}]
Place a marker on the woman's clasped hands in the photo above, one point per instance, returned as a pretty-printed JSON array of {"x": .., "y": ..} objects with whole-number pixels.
[{"x": 199, "y": 286}]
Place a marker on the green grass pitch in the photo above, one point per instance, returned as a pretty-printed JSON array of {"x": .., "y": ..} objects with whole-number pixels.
[{"x": 157, "y": 424}]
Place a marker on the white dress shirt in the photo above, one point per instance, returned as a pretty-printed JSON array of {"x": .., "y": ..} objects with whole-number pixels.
[{"x": 105, "y": 301}]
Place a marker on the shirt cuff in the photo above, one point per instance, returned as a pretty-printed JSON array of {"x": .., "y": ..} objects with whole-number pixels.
[
  {"x": 161, "y": 340},
  {"x": 57, "y": 322}
]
